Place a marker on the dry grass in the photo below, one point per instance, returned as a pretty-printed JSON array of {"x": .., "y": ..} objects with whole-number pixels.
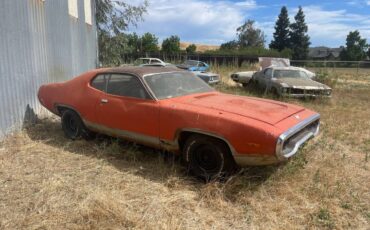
[{"x": 48, "y": 181}]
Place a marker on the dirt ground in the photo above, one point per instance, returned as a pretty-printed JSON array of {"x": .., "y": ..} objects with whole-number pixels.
[{"x": 50, "y": 182}]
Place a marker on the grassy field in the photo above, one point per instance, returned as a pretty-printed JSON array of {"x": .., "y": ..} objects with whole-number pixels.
[{"x": 50, "y": 182}]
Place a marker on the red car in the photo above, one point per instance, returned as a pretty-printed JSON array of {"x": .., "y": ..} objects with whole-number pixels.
[{"x": 170, "y": 109}]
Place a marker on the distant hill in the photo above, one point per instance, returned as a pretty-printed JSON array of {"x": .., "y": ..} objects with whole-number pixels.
[{"x": 200, "y": 47}]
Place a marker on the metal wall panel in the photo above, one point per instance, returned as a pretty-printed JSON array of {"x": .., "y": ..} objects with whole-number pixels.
[{"x": 39, "y": 43}]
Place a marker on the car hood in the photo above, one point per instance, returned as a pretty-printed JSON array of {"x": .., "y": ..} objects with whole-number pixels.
[
  {"x": 301, "y": 83},
  {"x": 267, "y": 111}
]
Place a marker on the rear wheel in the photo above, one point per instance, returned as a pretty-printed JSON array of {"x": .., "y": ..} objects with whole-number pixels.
[
  {"x": 208, "y": 158},
  {"x": 73, "y": 126}
]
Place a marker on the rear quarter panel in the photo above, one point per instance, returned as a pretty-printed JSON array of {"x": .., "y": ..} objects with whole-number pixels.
[{"x": 74, "y": 93}]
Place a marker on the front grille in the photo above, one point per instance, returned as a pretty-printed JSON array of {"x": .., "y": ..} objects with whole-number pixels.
[
  {"x": 307, "y": 91},
  {"x": 213, "y": 78}
]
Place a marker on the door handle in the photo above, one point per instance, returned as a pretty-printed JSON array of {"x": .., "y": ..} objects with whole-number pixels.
[{"x": 104, "y": 101}]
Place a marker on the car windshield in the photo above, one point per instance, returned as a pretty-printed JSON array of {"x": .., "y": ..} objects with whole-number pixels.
[
  {"x": 176, "y": 84},
  {"x": 290, "y": 74},
  {"x": 191, "y": 63}
]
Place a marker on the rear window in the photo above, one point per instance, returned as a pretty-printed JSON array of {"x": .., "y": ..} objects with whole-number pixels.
[
  {"x": 99, "y": 83},
  {"x": 127, "y": 86}
]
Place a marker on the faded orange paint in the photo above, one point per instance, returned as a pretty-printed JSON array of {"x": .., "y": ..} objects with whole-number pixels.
[{"x": 250, "y": 125}]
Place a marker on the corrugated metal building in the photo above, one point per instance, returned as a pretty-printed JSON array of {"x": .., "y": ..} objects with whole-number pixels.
[{"x": 41, "y": 41}]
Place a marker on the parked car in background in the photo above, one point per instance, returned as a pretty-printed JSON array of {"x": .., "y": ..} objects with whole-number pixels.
[
  {"x": 208, "y": 77},
  {"x": 199, "y": 69},
  {"x": 193, "y": 65},
  {"x": 150, "y": 62},
  {"x": 167, "y": 108},
  {"x": 289, "y": 81},
  {"x": 243, "y": 78}
]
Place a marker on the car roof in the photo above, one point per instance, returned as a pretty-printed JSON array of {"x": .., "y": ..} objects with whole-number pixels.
[
  {"x": 284, "y": 68},
  {"x": 139, "y": 70},
  {"x": 149, "y": 58}
]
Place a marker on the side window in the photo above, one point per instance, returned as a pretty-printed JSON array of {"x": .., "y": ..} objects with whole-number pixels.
[
  {"x": 201, "y": 64},
  {"x": 127, "y": 86},
  {"x": 155, "y": 61},
  {"x": 100, "y": 82},
  {"x": 268, "y": 73}
]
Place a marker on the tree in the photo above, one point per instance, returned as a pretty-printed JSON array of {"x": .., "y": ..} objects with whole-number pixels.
[
  {"x": 112, "y": 19},
  {"x": 231, "y": 45},
  {"x": 191, "y": 49},
  {"x": 171, "y": 45},
  {"x": 148, "y": 43},
  {"x": 356, "y": 47},
  {"x": 281, "y": 35},
  {"x": 249, "y": 36},
  {"x": 299, "y": 40},
  {"x": 368, "y": 52}
]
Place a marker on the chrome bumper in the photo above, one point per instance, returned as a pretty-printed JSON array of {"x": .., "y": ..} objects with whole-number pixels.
[
  {"x": 306, "y": 95},
  {"x": 292, "y": 139},
  {"x": 289, "y": 142}
]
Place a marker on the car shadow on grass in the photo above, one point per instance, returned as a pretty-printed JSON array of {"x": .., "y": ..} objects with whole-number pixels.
[{"x": 151, "y": 164}]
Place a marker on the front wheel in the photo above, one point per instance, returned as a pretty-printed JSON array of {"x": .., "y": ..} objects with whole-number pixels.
[{"x": 208, "y": 158}]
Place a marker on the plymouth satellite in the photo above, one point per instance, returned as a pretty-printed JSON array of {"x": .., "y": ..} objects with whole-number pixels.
[{"x": 166, "y": 108}]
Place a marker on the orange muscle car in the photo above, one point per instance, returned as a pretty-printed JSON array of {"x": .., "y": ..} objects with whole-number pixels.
[{"x": 170, "y": 109}]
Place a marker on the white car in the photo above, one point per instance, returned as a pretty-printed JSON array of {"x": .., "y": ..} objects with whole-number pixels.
[
  {"x": 150, "y": 62},
  {"x": 243, "y": 77}
]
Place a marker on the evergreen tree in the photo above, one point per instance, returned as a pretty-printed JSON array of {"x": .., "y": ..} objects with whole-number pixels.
[
  {"x": 299, "y": 40},
  {"x": 281, "y": 35},
  {"x": 355, "y": 49}
]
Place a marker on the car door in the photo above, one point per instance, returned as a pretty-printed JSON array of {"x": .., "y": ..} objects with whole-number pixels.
[
  {"x": 127, "y": 110},
  {"x": 264, "y": 79}
]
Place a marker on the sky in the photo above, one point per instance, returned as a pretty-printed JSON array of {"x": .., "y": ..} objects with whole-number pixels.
[{"x": 215, "y": 21}]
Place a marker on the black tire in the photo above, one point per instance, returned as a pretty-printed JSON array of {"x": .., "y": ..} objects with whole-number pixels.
[
  {"x": 245, "y": 85},
  {"x": 73, "y": 126},
  {"x": 208, "y": 158}
]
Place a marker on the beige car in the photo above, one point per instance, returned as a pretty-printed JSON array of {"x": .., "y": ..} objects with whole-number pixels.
[{"x": 289, "y": 81}]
